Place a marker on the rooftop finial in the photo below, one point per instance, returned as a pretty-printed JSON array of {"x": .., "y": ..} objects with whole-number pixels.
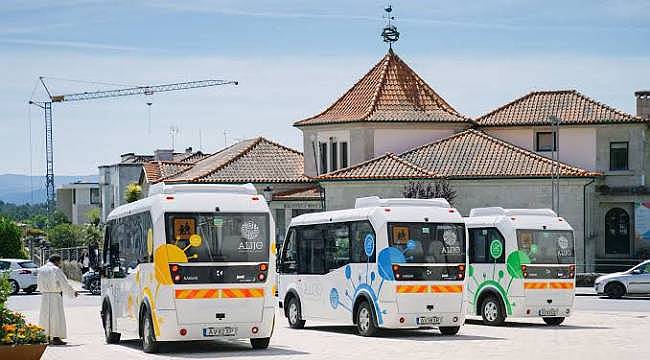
[{"x": 390, "y": 33}]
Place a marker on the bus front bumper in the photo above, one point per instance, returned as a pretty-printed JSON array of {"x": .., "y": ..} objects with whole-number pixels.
[{"x": 171, "y": 329}]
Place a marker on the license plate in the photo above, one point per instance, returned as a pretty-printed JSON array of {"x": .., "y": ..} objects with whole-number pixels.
[
  {"x": 220, "y": 331},
  {"x": 548, "y": 312},
  {"x": 428, "y": 320}
]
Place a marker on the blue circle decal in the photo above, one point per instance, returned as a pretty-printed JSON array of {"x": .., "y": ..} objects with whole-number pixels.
[
  {"x": 348, "y": 272},
  {"x": 411, "y": 245},
  {"x": 334, "y": 298},
  {"x": 369, "y": 245}
]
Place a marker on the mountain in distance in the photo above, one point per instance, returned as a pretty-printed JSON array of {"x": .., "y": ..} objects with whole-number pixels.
[{"x": 15, "y": 188}]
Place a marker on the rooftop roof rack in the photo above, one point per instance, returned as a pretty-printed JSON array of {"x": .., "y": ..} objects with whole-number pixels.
[
  {"x": 497, "y": 211},
  {"x": 162, "y": 188},
  {"x": 373, "y": 201}
]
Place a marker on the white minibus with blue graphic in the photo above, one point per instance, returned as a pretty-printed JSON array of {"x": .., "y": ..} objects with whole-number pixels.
[
  {"x": 190, "y": 262},
  {"x": 387, "y": 263}
]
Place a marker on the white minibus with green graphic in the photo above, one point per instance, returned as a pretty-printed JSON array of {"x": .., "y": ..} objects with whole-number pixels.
[{"x": 521, "y": 264}]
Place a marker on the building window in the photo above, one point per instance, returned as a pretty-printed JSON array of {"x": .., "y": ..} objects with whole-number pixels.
[
  {"x": 545, "y": 141},
  {"x": 74, "y": 196},
  {"x": 344, "y": 154},
  {"x": 618, "y": 156},
  {"x": 334, "y": 156},
  {"x": 94, "y": 196},
  {"x": 323, "y": 158}
]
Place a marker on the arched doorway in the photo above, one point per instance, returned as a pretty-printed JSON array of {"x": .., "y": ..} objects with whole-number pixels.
[{"x": 617, "y": 232}]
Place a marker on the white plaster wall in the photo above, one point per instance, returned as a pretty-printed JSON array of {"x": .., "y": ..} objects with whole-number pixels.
[
  {"x": 577, "y": 145},
  {"x": 400, "y": 140}
]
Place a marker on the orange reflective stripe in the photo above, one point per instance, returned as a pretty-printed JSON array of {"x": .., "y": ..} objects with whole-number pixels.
[
  {"x": 242, "y": 293},
  {"x": 197, "y": 294},
  {"x": 535, "y": 285},
  {"x": 561, "y": 285},
  {"x": 446, "y": 288},
  {"x": 411, "y": 289}
]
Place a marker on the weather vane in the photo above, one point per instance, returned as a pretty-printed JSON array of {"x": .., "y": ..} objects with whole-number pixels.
[{"x": 390, "y": 33}]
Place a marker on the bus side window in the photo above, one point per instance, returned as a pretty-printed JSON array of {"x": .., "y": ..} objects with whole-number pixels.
[
  {"x": 359, "y": 232},
  {"x": 289, "y": 259},
  {"x": 480, "y": 241},
  {"x": 337, "y": 246},
  {"x": 311, "y": 249}
]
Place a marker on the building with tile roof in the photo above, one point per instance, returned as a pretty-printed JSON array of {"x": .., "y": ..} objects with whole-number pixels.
[
  {"x": 390, "y": 109},
  {"x": 470, "y": 154},
  {"x": 114, "y": 178},
  {"x": 276, "y": 171}
]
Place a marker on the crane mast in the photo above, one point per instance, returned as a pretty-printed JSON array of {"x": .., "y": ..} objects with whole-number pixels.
[{"x": 136, "y": 90}]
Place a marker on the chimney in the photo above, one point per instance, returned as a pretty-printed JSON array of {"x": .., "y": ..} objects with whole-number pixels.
[
  {"x": 188, "y": 150},
  {"x": 163, "y": 155},
  {"x": 643, "y": 104}
]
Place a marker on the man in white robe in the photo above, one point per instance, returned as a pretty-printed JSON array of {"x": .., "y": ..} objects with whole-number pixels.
[{"x": 52, "y": 283}]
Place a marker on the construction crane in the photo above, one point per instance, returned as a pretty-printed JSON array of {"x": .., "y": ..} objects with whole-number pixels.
[{"x": 136, "y": 90}]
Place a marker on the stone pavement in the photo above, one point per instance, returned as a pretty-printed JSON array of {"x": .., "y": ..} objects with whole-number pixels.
[{"x": 588, "y": 334}]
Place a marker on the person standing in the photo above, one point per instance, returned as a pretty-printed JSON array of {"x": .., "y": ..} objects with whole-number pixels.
[{"x": 52, "y": 284}]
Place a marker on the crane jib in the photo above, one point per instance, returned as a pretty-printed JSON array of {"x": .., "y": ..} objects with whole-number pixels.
[{"x": 140, "y": 90}]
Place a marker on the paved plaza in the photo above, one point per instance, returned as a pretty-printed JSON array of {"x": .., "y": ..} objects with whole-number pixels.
[{"x": 600, "y": 329}]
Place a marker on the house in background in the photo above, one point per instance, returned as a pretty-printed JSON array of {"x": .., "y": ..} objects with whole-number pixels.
[
  {"x": 75, "y": 200},
  {"x": 113, "y": 179},
  {"x": 275, "y": 170},
  {"x": 598, "y": 138},
  {"x": 390, "y": 109}
]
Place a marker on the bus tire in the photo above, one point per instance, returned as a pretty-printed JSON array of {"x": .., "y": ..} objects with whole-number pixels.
[
  {"x": 260, "y": 343},
  {"x": 110, "y": 336},
  {"x": 449, "y": 330},
  {"x": 294, "y": 314},
  {"x": 553, "y": 321},
  {"x": 149, "y": 343},
  {"x": 492, "y": 311},
  {"x": 366, "y": 325}
]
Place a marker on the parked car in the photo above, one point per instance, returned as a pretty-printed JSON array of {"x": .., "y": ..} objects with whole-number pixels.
[
  {"x": 633, "y": 281},
  {"x": 91, "y": 281},
  {"x": 22, "y": 274}
]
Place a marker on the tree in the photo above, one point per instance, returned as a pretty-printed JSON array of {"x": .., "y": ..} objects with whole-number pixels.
[
  {"x": 93, "y": 216},
  {"x": 65, "y": 235},
  {"x": 133, "y": 192},
  {"x": 430, "y": 190},
  {"x": 92, "y": 235},
  {"x": 11, "y": 245}
]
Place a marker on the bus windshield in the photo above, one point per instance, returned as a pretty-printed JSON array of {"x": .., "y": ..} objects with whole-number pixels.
[
  {"x": 219, "y": 237},
  {"x": 428, "y": 242},
  {"x": 547, "y": 246}
]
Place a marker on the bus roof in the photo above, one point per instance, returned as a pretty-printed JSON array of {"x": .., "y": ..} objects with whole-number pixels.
[
  {"x": 202, "y": 198},
  {"x": 384, "y": 210},
  {"x": 517, "y": 218}
]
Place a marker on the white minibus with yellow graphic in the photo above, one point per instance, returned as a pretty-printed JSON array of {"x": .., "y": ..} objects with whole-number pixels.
[
  {"x": 521, "y": 264},
  {"x": 190, "y": 262},
  {"x": 387, "y": 263}
]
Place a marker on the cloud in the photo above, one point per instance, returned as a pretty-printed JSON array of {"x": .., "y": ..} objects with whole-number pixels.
[{"x": 73, "y": 45}]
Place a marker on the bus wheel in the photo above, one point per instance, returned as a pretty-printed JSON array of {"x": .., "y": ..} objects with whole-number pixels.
[
  {"x": 365, "y": 320},
  {"x": 110, "y": 336},
  {"x": 553, "y": 321},
  {"x": 260, "y": 343},
  {"x": 449, "y": 330},
  {"x": 149, "y": 343},
  {"x": 294, "y": 314},
  {"x": 492, "y": 311}
]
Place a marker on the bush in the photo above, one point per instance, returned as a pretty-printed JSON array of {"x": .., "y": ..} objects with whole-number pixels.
[
  {"x": 65, "y": 235},
  {"x": 11, "y": 245},
  {"x": 71, "y": 269},
  {"x": 430, "y": 190}
]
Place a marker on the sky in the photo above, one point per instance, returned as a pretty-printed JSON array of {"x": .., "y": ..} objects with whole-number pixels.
[{"x": 292, "y": 59}]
